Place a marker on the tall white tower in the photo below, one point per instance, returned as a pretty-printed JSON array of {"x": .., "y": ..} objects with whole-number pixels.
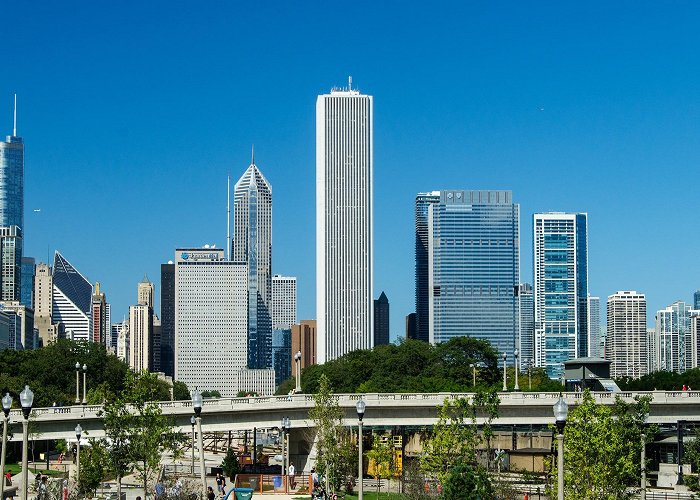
[{"x": 344, "y": 225}]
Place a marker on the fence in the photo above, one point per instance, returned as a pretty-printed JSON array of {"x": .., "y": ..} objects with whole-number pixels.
[{"x": 274, "y": 483}]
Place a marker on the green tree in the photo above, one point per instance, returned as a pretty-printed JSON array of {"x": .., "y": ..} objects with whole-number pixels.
[
  {"x": 691, "y": 455},
  {"x": 230, "y": 464},
  {"x": 456, "y": 437},
  {"x": 180, "y": 391},
  {"x": 328, "y": 419},
  {"x": 602, "y": 447},
  {"x": 93, "y": 467},
  {"x": 211, "y": 394},
  {"x": 467, "y": 481},
  {"x": 382, "y": 458}
]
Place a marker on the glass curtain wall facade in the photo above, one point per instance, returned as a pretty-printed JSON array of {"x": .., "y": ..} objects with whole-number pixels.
[
  {"x": 474, "y": 268},
  {"x": 673, "y": 331},
  {"x": 167, "y": 318},
  {"x": 423, "y": 202},
  {"x": 561, "y": 289},
  {"x": 12, "y": 182},
  {"x": 10, "y": 263},
  {"x": 252, "y": 246},
  {"x": 527, "y": 325}
]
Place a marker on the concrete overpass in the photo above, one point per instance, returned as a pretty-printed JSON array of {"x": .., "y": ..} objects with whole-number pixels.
[{"x": 388, "y": 410}]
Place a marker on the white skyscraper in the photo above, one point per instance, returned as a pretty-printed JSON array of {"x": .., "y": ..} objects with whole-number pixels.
[
  {"x": 673, "y": 337},
  {"x": 344, "y": 226},
  {"x": 284, "y": 302},
  {"x": 140, "y": 337},
  {"x": 211, "y": 324},
  {"x": 627, "y": 334}
]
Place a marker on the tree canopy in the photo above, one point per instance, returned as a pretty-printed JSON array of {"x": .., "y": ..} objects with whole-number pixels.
[{"x": 662, "y": 381}]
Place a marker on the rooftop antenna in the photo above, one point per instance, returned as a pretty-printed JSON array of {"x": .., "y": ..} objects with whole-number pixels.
[
  {"x": 14, "y": 128},
  {"x": 252, "y": 155},
  {"x": 350, "y": 82},
  {"x": 228, "y": 217}
]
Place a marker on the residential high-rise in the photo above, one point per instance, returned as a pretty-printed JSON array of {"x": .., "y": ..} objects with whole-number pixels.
[
  {"x": 145, "y": 292},
  {"x": 526, "y": 307},
  {"x": 423, "y": 201},
  {"x": 72, "y": 299},
  {"x": 10, "y": 263},
  {"x": 381, "y": 320},
  {"x": 673, "y": 332},
  {"x": 284, "y": 315},
  {"x": 627, "y": 334},
  {"x": 474, "y": 267},
  {"x": 593, "y": 322},
  {"x": 12, "y": 179},
  {"x": 211, "y": 324},
  {"x": 99, "y": 323},
  {"x": 140, "y": 337},
  {"x": 344, "y": 225},
  {"x": 652, "y": 350},
  {"x": 560, "y": 289},
  {"x": 252, "y": 246},
  {"x": 167, "y": 318},
  {"x": 27, "y": 281},
  {"x": 694, "y": 351}
]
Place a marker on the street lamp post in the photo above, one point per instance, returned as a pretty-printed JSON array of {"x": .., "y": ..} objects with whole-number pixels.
[
  {"x": 197, "y": 405},
  {"x": 529, "y": 377},
  {"x": 84, "y": 384},
  {"x": 561, "y": 411},
  {"x": 192, "y": 421},
  {"x": 297, "y": 358},
  {"x": 77, "y": 383},
  {"x": 643, "y": 494},
  {"x": 473, "y": 367},
  {"x": 6, "y": 405},
  {"x": 283, "y": 428},
  {"x": 516, "y": 354},
  {"x": 360, "y": 407},
  {"x": 26, "y": 399},
  {"x": 78, "y": 433},
  {"x": 288, "y": 425},
  {"x": 504, "y": 356}
]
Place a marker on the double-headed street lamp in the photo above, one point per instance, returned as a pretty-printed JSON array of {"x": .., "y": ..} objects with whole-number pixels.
[
  {"x": 516, "y": 354},
  {"x": 26, "y": 399},
  {"x": 78, "y": 433},
  {"x": 77, "y": 383},
  {"x": 504, "y": 356},
  {"x": 360, "y": 407},
  {"x": 6, "y": 405},
  {"x": 192, "y": 421},
  {"x": 561, "y": 411},
  {"x": 297, "y": 358},
  {"x": 197, "y": 406}
]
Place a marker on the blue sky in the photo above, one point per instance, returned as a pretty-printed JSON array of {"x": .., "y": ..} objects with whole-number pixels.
[{"x": 134, "y": 113}]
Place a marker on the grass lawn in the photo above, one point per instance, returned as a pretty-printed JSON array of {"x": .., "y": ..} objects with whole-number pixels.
[{"x": 16, "y": 468}]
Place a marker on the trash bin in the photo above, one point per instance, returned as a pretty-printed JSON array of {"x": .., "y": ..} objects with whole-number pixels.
[
  {"x": 244, "y": 493},
  {"x": 277, "y": 482},
  {"x": 253, "y": 483}
]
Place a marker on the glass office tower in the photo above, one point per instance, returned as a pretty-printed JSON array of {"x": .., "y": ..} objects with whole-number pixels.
[
  {"x": 423, "y": 201},
  {"x": 561, "y": 289},
  {"x": 474, "y": 268}
]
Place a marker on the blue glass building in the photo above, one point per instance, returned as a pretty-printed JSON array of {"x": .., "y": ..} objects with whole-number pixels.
[
  {"x": 474, "y": 267},
  {"x": 561, "y": 289},
  {"x": 282, "y": 354},
  {"x": 27, "y": 282},
  {"x": 422, "y": 317},
  {"x": 12, "y": 182}
]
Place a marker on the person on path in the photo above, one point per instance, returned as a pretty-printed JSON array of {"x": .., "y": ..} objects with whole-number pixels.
[
  {"x": 291, "y": 471},
  {"x": 210, "y": 492}
]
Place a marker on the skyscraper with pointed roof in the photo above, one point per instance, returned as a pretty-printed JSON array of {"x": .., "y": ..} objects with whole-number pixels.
[
  {"x": 145, "y": 292},
  {"x": 252, "y": 246},
  {"x": 72, "y": 299}
]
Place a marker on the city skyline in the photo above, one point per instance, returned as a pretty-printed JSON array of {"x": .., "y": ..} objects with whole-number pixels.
[{"x": 606, "y": 125}]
